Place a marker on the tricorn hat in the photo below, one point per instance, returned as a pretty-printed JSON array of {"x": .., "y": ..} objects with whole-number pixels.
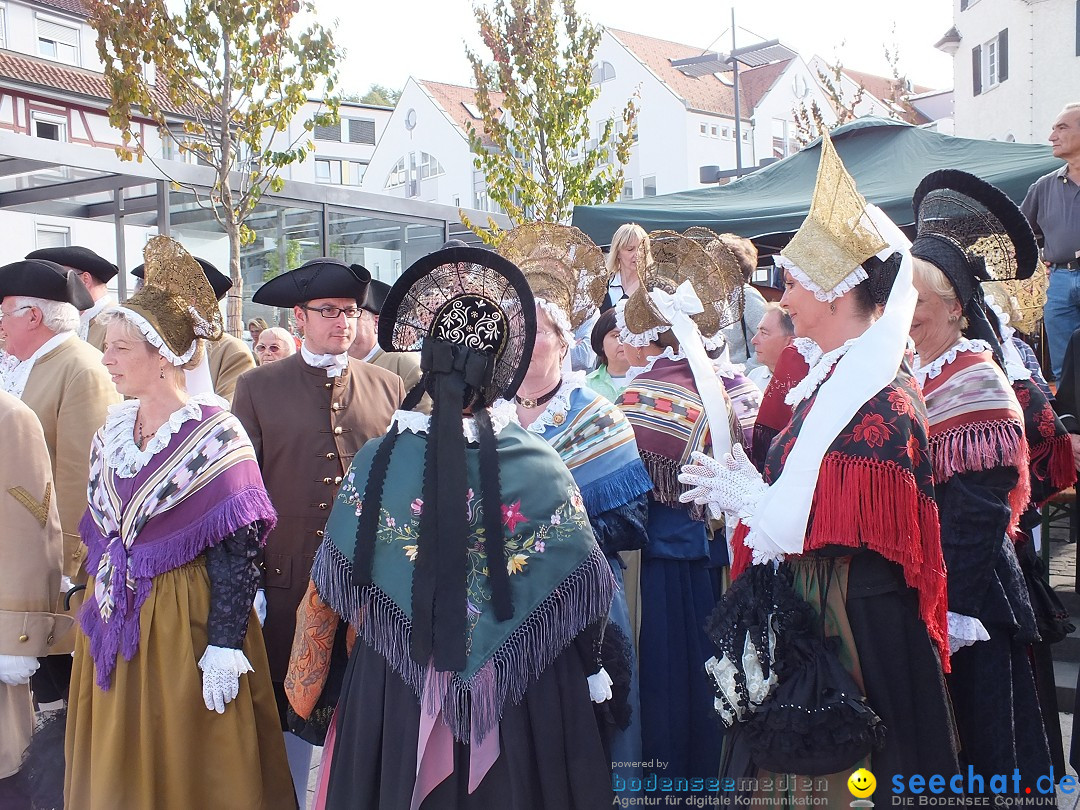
[
  {"x": 219, "y": 282},
  {"x": 78, "y": 258},
  {"x": 318, "y": 278},
  {"x": 39, "y": 278},
  {"x": 376, "y": 295}
]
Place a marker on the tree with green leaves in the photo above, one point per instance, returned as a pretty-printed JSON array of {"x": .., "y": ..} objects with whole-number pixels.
[
  {"x": 534, "y": 99},
  {"x": 380, "y": 94},
  {"x": 221, "y": 79}
]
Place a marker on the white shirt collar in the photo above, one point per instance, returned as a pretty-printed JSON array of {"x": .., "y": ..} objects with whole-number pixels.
[
  {"x": 371, "y": 355},
  {"x": 334, "y": 364}
]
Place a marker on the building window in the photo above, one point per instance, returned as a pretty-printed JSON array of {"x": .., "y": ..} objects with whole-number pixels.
[
  {"x": 3, "y": 27},
  {"x": 50, "y": 127},
  {"x": 603, "y": 72},
  {"x": 990, "y": 63},
  {"x": 398, "y": 175},
  {"x": 429, "y": 166},
  {"x": 354, "y": 172},
  {"x": 329, "y": 132},
  {"x": 361, "y": 130},
  {"x": 725, "y": 133},
  {"x": 704, "y": 129},
  {"x": 57, "y": 41},
  {"x": 628, "y": 190},
  {"x": 328, "y": 171},
  {"x": 648, "y": 186},
  {"x": 714, "y": 131},
  {"x": 783, "y": 143},
  {"x": 746, "y": 136},
  {"x": 51, "y": 236}
]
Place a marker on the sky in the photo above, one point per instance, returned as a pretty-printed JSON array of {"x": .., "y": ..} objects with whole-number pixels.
[{"x": 388, "y": 41}]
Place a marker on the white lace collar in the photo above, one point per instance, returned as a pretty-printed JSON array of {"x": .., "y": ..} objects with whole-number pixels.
[
  {"x": 502, "y": 414},
  {"x": 819, "y": 370},
  {"x": 122, "y": 455},
  {"x": 933, "y": 369},
  {"x": 558, "y": 406},
  {"x": 333, "y": 364},
  {"x": 668, "y": 352},
  {"x": 15, "y": 373}
]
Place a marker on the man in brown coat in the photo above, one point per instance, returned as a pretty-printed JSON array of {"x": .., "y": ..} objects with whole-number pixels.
[
  {"x": 227, "y": 358},
  {"x": 307, "y": 415},
  {"x": 30, "y": 546},
  {"x": 95, "y": 273},
  {"x": 62, "y": 381}
]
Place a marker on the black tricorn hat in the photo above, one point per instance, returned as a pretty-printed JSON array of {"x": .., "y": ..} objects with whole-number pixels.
[
  {"x": 376, "y": 295},
  {"x": 318, "y": 278},
  {"x": 38, "y": 278},
  {"x": 78, "y": 258},
  {"x": 220, "y": 282}
]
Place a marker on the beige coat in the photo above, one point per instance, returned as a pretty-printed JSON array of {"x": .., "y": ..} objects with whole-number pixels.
[
  {"x": 305, "y": 428},
  {"x": 70, "y": 391},
  {"x": 228, "y": 358},
  {"x": 95, "y": 332},
  {"x": 407, "y": 366},
  {"x": 30, "y": 545}
]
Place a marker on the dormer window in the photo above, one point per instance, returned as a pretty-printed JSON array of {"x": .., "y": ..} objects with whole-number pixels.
[{"x": 57, "y": 41}]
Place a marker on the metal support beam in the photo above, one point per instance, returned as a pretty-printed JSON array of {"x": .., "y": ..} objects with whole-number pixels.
[
  {"x": 14, "y": 166},
  {"x": 58, "y": 191},
  {"x": 121, "y": 244},
  {"x": 163, "y": 218},
  {"x": 137, "y": 205}
]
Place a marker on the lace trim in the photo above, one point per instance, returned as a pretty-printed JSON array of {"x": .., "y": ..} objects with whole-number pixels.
[
  {"x": 966, "y": 629},
  {"x": 853, "y": 279},
  {"x": 924, "y": 373},
  {"x": 809, "y": 350},
  {"x": 632, "y": 338},
  {"x": 502, "y": 414},
  {"x": 558, "y": 406},
  {"x": 818, "y": 372},
  {"x": 155, "y": 340},
  {"x": 635, "y": 371},
  {"x": 559, "y": 319},
  {"x": 122, "y": 455}
]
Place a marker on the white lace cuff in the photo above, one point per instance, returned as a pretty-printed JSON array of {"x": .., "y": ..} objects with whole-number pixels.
[
  {"x": 965, "y": 631},
  {"x": 226, "y": 659}
]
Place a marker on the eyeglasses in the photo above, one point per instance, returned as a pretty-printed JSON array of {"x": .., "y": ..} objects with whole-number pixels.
[
  {"x": 334, "y": 312},
  {"x": 15, "y": 311}
]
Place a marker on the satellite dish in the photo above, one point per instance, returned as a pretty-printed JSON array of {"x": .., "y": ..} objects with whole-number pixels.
[{"x": 410, "y": 119}]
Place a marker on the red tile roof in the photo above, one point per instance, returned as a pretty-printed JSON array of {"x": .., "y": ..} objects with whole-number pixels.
[
  {"x": 71, "y": 6},
  {"x": 453, "y": 98},
  {"x": 705, "y": 93},
  {"x": 883, "y": 89}
]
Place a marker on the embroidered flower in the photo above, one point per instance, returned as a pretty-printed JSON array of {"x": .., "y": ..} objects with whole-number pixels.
[
  {"x": 556, "y": 519},
  {"x": 1045, "y": 421},
  {"x": 417, "y": 506},
  {"x": 359, "y": 509},
  {"x": 900, "y": 403},
  {"x": 391, "y": 522},
  {"x": 512, "y": 516},
  {"x": 1023, "y": 396},
  {"x": 411, "y": 552},
  {"x": 471, "y": 608},
  {"x": 539, "y": 546},
  {"x": 516, "y": 563},
  {"x": 575, "y": 500},
  {"x": 913, "y": 449},
  {"x": 872, "y": 430}
]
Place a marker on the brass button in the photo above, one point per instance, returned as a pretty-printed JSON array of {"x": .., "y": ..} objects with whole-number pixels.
[
  {"x": 277, "y": 571},
  {"x": 337, "y": 479},
  {"x": 331, "y": 456},
  {"x": 324, "y": 506},
  {"x": 77, "y": 553},
  {"x": 328, "y": 385},
  {"x": 24, "y": 637},
  {"x": 337, "y": 406},
  {"x": 328, "y": 480},
  {"x": 319, "y": 533},
  {"x": 337, "y": 431}
]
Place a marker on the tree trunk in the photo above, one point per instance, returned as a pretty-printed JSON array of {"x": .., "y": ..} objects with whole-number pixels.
[{"x": 235, "y": 303}]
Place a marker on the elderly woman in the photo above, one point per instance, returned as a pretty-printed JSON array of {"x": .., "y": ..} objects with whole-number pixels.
[
  {"x": 855, "y": 524},
  {"x": 171, "y": 704},
  {"x": 274, "y": 343},
  {"x": 627, "y": 259},
  {"x": 609, "y": 377},
  {"x": 595, "y": 441},
  {"x": 981, "y": 466}
]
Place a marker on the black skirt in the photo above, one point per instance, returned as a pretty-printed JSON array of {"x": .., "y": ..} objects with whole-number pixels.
[{"x": 551, "y": 750}]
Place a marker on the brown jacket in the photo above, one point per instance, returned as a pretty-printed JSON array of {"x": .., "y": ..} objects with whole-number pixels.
[
  {"x": 30, "y": 545},
  {"x": 70, "y": 391},
  {"x": 228, "y": 358},
  {"x": 407, "y": 366},
  {"x": 305, "y": 428}
]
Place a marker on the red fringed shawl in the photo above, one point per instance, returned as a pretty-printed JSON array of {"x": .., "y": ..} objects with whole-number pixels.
[
  {"x": 976, "y": 424},
  {"x": 875, "y": 491},
  {"x": 1051, "y": 463}
]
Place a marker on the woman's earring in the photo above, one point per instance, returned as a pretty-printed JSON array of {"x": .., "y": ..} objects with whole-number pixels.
[
  {"x": 832, "y": 307},
  {"x": 162, "y": 372}
]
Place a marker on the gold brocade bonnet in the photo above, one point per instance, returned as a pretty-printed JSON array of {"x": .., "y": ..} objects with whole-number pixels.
[
  {"x": 697, "y": 256},
  {"x": 836, "y": 237},
  {"x": 176, "y": 302},
  {"x": 562, "y": 264}
]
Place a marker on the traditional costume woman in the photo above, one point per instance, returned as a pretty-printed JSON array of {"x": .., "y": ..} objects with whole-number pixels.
[
  {"x": 460, "y": 553},
  {"x": 982, "y": 479},
  {"x": 775, "y": 412},
  {"x": 677, "y": 405},
  {"x": 172, "y": 530},
  {"x": 847, "y": 504},
  {"x": 566, "y": 273}
]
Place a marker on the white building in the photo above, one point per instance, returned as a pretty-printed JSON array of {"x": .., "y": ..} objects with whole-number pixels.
[
  {"x": 342, "y": 150},
  {"x": 1016, "y": 63}
]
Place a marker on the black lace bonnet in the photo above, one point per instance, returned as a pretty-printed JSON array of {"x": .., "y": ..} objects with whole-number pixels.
[
  {"x": 972, "y": 232},
  {"x": 471, "y": 315}
]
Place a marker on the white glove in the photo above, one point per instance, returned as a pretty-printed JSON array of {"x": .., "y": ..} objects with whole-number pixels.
[
  {"x": 260, "y": 606},
  {"x": 964, "y": 631},
  {"x": 732, "y": 485},
  {"x": 221, "y": 668},
  {"x": 17, "y": 669},
  {"x": 600, "y": 686}
]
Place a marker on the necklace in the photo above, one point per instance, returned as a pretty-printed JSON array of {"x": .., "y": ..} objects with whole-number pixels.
[
  {"x": 525, "y": 402},
  {"x": 140, "y": 439}
]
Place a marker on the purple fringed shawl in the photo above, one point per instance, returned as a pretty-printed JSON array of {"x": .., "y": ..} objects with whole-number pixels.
[{"x": 204, "y": 485}]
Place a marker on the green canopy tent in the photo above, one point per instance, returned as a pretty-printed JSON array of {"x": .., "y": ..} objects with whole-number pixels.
[{"x": 887, "y": 159}]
